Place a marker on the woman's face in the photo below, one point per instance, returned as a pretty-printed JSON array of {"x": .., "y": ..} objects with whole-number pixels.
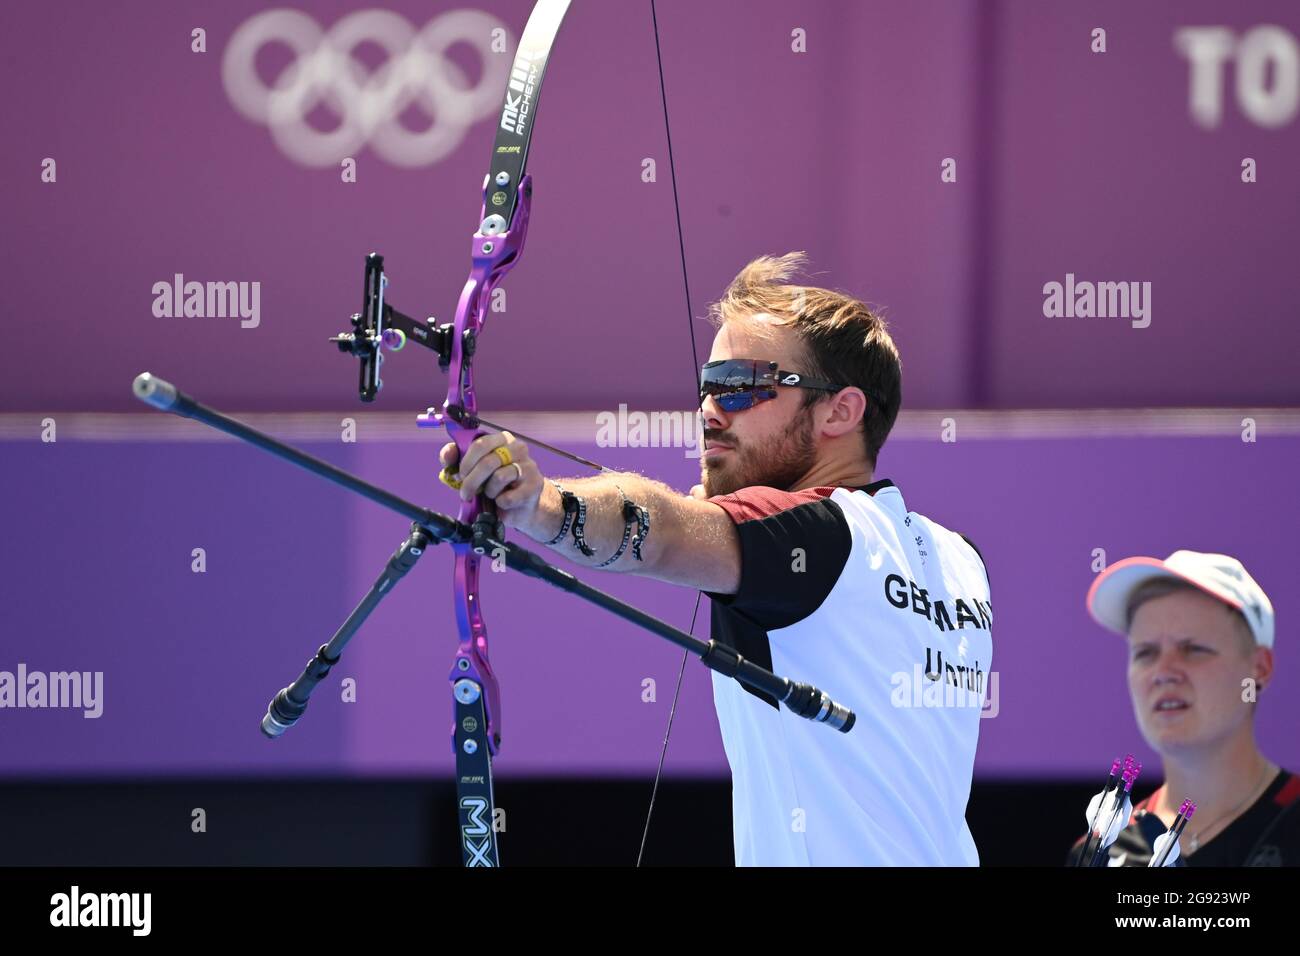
[{"x": 1190, "y": 666}]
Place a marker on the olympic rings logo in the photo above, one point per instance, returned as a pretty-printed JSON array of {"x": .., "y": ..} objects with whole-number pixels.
[{"x": 417, "y": 72}]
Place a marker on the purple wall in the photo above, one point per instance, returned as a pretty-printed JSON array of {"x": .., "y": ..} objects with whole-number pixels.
[
  {"x": 1099, "y": 170},
  {"x": 97, "y": 577},
  {"x": 1068, "y": 161}
]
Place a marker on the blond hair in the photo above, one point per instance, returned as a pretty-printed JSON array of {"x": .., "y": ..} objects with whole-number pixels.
[{"x": 844, "y": 341}]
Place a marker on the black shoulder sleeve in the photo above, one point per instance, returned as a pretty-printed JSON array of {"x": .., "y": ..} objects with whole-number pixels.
[{"x": 789, "y": 562}]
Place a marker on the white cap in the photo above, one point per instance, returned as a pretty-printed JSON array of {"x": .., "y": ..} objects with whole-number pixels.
[{"x": 1218, "y": 575}]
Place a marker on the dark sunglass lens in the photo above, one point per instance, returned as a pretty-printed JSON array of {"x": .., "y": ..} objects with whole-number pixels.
[{"x": 735, "y": 401}]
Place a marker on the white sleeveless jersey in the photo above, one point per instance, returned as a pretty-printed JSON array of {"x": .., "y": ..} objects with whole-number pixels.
[{"x": 889, "y": 613}]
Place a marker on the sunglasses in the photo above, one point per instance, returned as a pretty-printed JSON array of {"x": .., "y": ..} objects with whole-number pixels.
[{"x": 738, "y": 384}]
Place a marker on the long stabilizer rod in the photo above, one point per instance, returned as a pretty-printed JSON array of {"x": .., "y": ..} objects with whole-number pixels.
[{"x": 802, "y": 699}]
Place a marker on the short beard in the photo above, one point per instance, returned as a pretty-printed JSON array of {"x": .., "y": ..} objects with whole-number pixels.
[{"x": 779, "y": 462}]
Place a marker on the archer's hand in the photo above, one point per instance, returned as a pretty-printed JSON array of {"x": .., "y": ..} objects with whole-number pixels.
[{"x": 516, "y": 487}]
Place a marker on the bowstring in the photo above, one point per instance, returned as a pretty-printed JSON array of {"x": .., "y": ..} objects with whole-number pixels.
[{"x": 695, "y": 359}]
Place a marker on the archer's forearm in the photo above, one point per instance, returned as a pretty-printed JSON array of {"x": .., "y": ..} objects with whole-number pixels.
[{"x": 604, "y": 526}]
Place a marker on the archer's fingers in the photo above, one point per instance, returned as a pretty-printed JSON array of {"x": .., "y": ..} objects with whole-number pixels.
[
  {"x": 482, "y": 462},
  {"x": 509, "y": 477},
  {"x": 478, "y": 449}
]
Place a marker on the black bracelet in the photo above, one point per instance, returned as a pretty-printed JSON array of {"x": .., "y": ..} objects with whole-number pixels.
[
  {"x": 642, "y": 529},
  {"x": 568, "y": 515},
  {"x": 579, "y": 523},
  {"x": 629, "y": 513}
]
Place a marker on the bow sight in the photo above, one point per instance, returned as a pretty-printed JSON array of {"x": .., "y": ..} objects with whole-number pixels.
[{"x": 379, "y": 325}]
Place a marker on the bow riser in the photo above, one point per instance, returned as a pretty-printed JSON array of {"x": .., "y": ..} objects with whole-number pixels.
[{"x": 493, "y": 257}]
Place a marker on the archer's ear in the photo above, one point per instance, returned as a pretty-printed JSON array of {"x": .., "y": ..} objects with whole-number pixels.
[
  {"x": 845, "y": 411},
  {"x": 1263, "y": 665}
]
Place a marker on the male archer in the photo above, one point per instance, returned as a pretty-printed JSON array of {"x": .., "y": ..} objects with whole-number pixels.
[{"x": 814, "y": 567}]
